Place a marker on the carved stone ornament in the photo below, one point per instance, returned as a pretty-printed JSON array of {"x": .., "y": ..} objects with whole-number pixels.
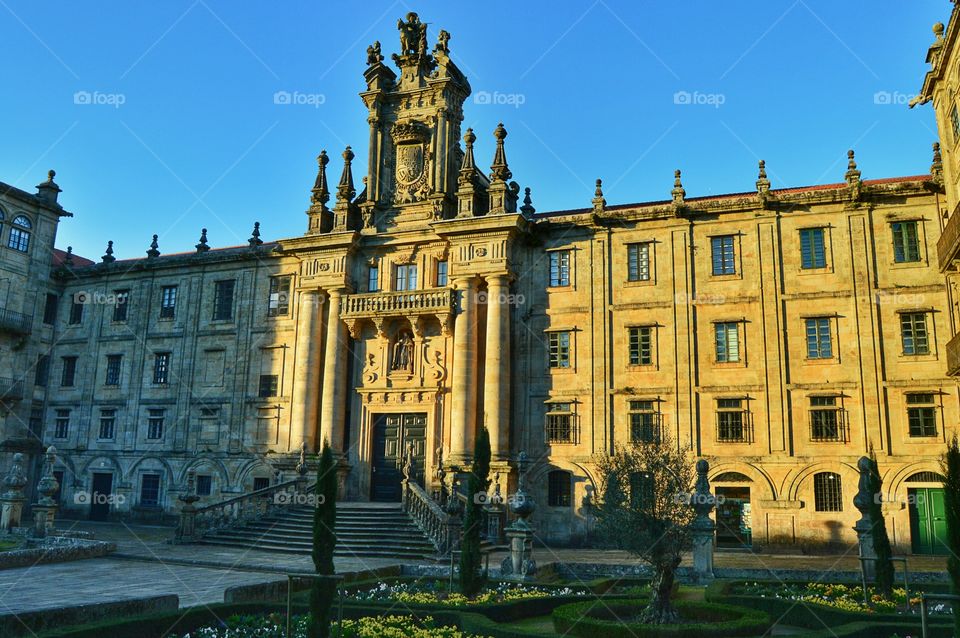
[{"x": 412, "y": 162}]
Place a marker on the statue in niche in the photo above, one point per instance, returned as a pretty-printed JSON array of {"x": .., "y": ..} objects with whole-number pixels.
[{"x": 403, "y": 353}]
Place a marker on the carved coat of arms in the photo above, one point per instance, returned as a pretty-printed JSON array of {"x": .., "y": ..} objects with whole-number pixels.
[{"x": 409, "y": 163}]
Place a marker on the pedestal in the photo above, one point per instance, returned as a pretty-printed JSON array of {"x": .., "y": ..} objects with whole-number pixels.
[
  {"x": 520, "y": 565},
  {"x": 43, "y": 520},
  {"x": 12, "y": 510},
  {"x": 867, "y": 551},
  {"x": 703, "y": 553}
]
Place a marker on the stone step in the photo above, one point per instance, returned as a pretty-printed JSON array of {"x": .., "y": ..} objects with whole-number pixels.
[
  {"x": 307, "y": 542},
  {"x": 343, "y": 551}
]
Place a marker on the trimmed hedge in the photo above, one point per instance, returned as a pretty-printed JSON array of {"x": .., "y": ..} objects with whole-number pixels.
[{"x": 589, "y": 619}]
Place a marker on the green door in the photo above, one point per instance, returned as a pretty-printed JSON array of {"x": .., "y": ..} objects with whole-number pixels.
[{"x": 928, "y": 521}]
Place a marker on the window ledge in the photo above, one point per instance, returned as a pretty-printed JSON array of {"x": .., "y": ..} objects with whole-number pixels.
[{"x": 639, "y": 283}]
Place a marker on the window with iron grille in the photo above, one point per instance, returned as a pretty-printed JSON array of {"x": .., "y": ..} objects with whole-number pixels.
[
  {"x": 643, "y": 494},
  {"x": 114, "y": 362},
  {"x": 442, "y": 277},
  {"x": 42, "y": 373},
  {"x": 204, "y": 485},
  {"x": 922, "y": 414},
  {"x": 279, "y": 301},
  {"x": 723, "y": 255},
  {"x": 50, "y": 309},
  {"x": 827, "y": 492},
  {"x": 69, "y": 372},
  {"x": 260, "y": 483},
  {"x": 223, "y": 300},
  {"x": 638, "y": 262},
  {"x": 732, "y": 421},
  {"x": 161, "y": 368},
  {"x": 906, "y": 242},
  {"x": 168, "y": 302},
  {"x": 108, "y": 421},
  {"x": 819, "y": 342},
  {"x": 150, "y": 490},
  {"x": 76, "y": 310},
  {"x": 727, "y": 336},
  {"x": 405, "y": 277},
  {"x": 560, "y": 268},
  {"x": 826, "y": 420},
  {"x": 61, "y": 425},
  {"x": 913, "y": 332},
  {"x": 121, "y": 301},
  {"x": 813, "y": 253},
  {"x": 559, "y": 343},
  {"x": 268, "y": 385},
  {"x": 641, "y": 345},
  {"x": 560, "y": 423},
  {"x": 155, "y": 417},
  {"x": 644, "y": 421},
  {"x": 559, "y": 489}
]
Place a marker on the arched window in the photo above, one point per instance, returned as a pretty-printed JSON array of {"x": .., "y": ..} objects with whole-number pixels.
[
  {"x": 925, "y": 477},
  {"x": 731, "y": 477},
  {"x": 558, "y": 489},
  {"x": 827, "y": 492},
  {"x": 20, "y": 234}
]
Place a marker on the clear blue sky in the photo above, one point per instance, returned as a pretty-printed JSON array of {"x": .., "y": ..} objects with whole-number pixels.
[{"x": 199, "y": 142}]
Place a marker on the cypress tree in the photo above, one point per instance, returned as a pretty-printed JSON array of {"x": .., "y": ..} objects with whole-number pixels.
[
  {"x": 471, "y": 580},
  {"x": 322, "y": 592},
  {"x": 951, "y": 499}
]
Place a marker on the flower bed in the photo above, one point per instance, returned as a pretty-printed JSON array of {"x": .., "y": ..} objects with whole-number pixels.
[
  {"x": 839, "y": 596},
  {"x": 435, "y": 593},
  {"x": 273, "y": 626}
]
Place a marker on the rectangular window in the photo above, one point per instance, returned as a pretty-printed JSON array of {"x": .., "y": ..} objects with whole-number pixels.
[
  {"x": 819, "y": 344},
  {"x": 727, "y": 342},
  {"x": 260, "y": 483},
  {"x": 642, "y": 491},
  {"x": 638, "y": 262},
  {"x": 42, "y": 373},
  {"x": 50, "y": 309},
  {"x": 223, "y": 300},
  {"x": 913, "y": 332},
  {"x": 826, "y": 423},
  {"x": 559, "y": 349},
  {"x": 19, "y": 240},
  {"x": 268, "y": 385},
  {"x": 155, "y": 423},
  {"x": 405, "y": 277},
  {"x": 121, "y": 300},
  {"x": 644, "y": 421},
  {"x": 114, "y": 362},
  {"x": 61, "y": 428},
  {"x": 442, "y": 273},
  {"x": 813, "y": 253},
  {"x": 161, "y": 368},
  {"x": 204, "y": 485},
  {"x": 69, "y": 373},
  {"x": 108, "y": 421},
  {"x": 922, "y": 414},
  {"x": 76, "y": 309},
  {"x": 906, "y": 242},
  {"x": 827, "y": 492},
  {"x": 373, "y": 278},
  {"x": 560, "y": 423},
  {"x": 723, "y": 255},
  {"x": 558, "y": 489},
  {"x": 150, "y": 490},
  {"x": 279, "y": 302},
  {"x": 560, "y": 268},
  {"x": 168, "y": 302},
  {"x": 36, "y": 422},
  {"x": 732, "y": 421},
  {"x": 641, "y": 345}
]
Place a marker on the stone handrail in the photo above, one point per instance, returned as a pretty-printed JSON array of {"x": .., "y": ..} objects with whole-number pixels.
[
  {"x": 437, "y": 300},
  {"x": 440, "y": 527}
]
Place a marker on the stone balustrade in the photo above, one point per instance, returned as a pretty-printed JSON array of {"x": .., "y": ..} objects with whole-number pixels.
[
  {"x": 385, "y": 304},
  {"x": 440, "y": 527},
  {"x": 241, "y": 509}
]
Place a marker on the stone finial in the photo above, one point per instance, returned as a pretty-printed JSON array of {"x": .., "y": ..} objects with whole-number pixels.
[
  {"x": 500, "y": 172},
  {"x": 763, "y": 184},
  {"x": 938, "y": 30},
  {"x": 936, "y": 168},
  {"x": 108, "y": 257},
  {"x": 527, "y": 208},
  {"x": 16, "y": 479},
  {"x": 373, "y": 54},
  {"x": 48, "y": 191},
  {"x": 599, "y": 203},
  {"x": 202, "y": 247},
  {"x": 68, "y": 258},
  {"x": 302, "y": 463},
  {"x": 677, "y": 193},
  {"x": 154, "y": 249},
  {"x": 345, "y": 189},
  {"x": 468, "y": 165},
  {"x": 255, "y": 240},
  {"x": 408, "y": 463},
  {"x": 321, "y": 194},
  {"x": 48, "y": 484},
  {"x": 852, "y": 176}
]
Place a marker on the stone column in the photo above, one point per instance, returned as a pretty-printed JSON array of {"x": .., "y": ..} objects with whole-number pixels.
[
  {"x": 496, "y": 380},
  {"x": 864, "y": 527},
  {"x": 464, "y": 390},
  {"x": 704, "y": 529},
  {"x": 306, "y": 376},
  {"x": 334, "y": 382}
]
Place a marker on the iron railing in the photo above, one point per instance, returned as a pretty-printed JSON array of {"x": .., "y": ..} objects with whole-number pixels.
[
  {"x": 11, "y": 389},
  {"x": 15, "y": 322}
]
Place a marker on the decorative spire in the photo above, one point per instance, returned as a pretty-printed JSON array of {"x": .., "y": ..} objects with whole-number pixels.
[
  {"x": 108, "y": 257},
  {"x": 48, "y": 191},
  {"x": 68, "y": 258},
  {"x": 599, "y": 203},
  {"x": 763, "y": 184},
  {"x": 202, "y": 247},
  {"x": 321, "y": 194},
  {"x": 853, "y": 174},
  {"x": 500, "y": 170},
  {"x": 153, "y": 252},
  {"x": 468, "y": 165},
  {"x": 345, "y": 189},
  {"x": 936, "y": 168},
  {"x": 255, "y": 240},
  {"x": 677, "y": 193},
  {"x": 527, "y": 209}
]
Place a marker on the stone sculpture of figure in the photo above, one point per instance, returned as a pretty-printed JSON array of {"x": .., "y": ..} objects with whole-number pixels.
[
  {"x": 443, "y": 37},
  {"x": 403, "y": 354},
  {"x": 373, "y": 54},
  {"x": 411, "y": 33}
]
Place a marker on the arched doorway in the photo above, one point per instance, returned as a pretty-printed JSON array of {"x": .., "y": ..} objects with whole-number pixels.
[
  {"x": 928, "y": 521},
  {"x": 734, "y": 511}
]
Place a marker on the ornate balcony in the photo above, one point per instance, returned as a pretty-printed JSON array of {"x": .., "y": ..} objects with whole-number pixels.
[
  {"x": 953, "y": 356},
  {"x": 10, "y": 390},
  {"x": 435, "y": 301},
  {"x": 15, "y": 322},
  {"x": 948, "y": 246}
]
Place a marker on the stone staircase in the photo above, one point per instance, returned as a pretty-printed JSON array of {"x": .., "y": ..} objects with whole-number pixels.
[{"x": 363, "y": 529}]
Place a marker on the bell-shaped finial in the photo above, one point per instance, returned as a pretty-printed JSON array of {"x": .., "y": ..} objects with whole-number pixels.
[
  {"x": 255, "y": 240},
  {"x": 500, "y": 172},
  {"x": 599, "y": 203},
  {"x": 527, "y": 209},
  {"x": 108, "y": 257},
  {"x": 202, "y": 247},
  {"x": 678, "y": 193},
  {"x": 154, "y": 249},
  {"x": 321, "y": 194},
  {"x": 345, "y": 189}
]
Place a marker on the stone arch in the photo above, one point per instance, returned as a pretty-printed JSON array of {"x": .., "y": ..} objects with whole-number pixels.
[
  {"x": 167, "y": 469},
  {"x": 202, "y": 461},
  {"x": 895, "y": 480},
  {"x": 766, "y": 490},
  {"x": 244, "y": 471},
  {"x": 100, "y": 462},
  {"x": 795, "y": 482}
]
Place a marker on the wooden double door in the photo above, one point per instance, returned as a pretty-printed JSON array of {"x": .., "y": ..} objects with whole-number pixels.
[{"x": 392, "y": 435}]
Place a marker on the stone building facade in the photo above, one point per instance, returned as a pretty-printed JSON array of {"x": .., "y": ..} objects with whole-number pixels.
[{"x": 779, "y": 333}]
